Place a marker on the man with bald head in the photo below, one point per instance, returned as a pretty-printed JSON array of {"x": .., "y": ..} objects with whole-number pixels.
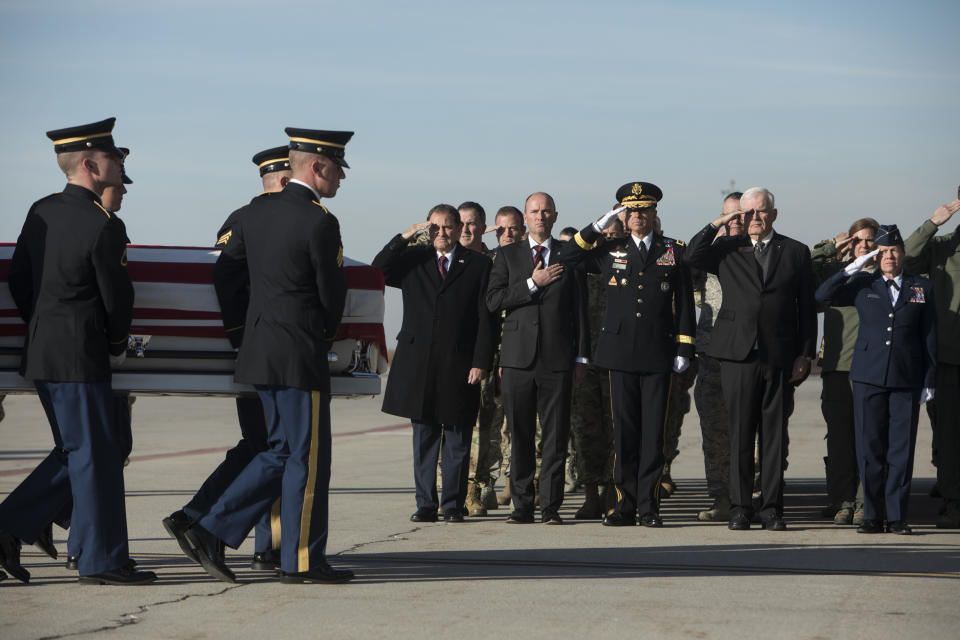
[
  {"x": 765, "y": 337},
  {"x": 545, "y": 335}
]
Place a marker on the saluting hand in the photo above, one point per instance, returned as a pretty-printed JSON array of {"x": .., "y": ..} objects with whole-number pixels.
[
  {"x": 727, "y": 217},
  {"x": 415, "y": 229},
  {"x": 857, "y": 264},
  {"x": 945, "y": 212},
  {"x": 491, "y": 228},
  {"x": 607, "y": 219},
  {"x": 542, "y": 277}
]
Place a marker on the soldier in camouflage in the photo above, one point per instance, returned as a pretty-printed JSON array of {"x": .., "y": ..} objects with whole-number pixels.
[{"x": 707, "y": 394}]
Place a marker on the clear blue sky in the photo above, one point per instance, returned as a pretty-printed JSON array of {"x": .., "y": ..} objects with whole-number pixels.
[{"x": 842, "y": 109}]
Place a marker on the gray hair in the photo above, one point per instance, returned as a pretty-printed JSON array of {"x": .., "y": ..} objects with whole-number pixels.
[{"x": 758, "y": 191}]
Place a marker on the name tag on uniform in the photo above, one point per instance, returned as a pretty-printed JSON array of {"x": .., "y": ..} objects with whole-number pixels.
[
  {"x": 620, "y": 266},
  {"x": 873, "y": 296},
  {"x": 917, "y": 295}
]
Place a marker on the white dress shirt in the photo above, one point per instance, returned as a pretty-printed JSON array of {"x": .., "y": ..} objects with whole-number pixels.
[{"x": 894, "y": 291}]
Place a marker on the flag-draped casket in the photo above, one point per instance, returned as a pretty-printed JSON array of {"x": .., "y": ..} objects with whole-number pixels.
[{"x": 178, "y": 345}]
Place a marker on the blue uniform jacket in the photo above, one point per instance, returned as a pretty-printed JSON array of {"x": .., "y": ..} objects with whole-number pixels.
[{"x": 897, "y": 344}]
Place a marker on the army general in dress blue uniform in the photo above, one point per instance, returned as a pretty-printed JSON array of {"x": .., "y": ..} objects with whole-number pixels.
[
  {"x": 69, "y": 280},
  {"x": 893, "y": 372},
  {"x": 647, "y": 332}
]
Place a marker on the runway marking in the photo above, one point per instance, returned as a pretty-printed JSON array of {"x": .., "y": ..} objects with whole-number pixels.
[{"x": 212, "y": 450}]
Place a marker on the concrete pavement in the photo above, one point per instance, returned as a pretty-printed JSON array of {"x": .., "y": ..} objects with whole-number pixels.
[{"x": 484, "y": 578}]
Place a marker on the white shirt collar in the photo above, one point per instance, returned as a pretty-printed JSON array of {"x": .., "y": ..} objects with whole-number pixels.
[
  {"x": 534, "y": 243},
  {"x": 765, "y": 240},
  {"x": 449, "y": 256},
  {"x": 647, "y": 240},
  {"x": 898, "y": 279},
  {"x": 312, "y": 190}
]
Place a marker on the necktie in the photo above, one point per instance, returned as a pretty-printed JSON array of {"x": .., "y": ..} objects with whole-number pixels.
[
  {"x": 442, "y": 266},
  {"x": 538, "y": 254},
  {"x": 642, "y": 247},
  {"x": 759, "y": 247},
  {"x": 893, "y": 289}
]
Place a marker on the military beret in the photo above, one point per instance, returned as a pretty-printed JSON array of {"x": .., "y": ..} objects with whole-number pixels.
[
  {"x": 639, "y": 195},
  {"x": 326, "y": 143},
  {"x": 888, "y": 236},
  {"x": 96, "y": 135},
  {"x": 275, "y": 159}
]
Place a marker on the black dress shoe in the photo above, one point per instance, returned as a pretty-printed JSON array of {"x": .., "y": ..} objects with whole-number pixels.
[
  {"x": 3, "y": 576},
  {"x": 899, "y": 527},
  {"x": 209, "y": 549},
  {"x": 176, "y": 525},
  {"x": 10, "y": 557},
  {"x": 45, "y": 542},
  {"x": 870, "y": 526},
  {"x": 617, "y": 519},
  {"x": 651, "y": 519},
  {"x": 454, "y": 515},
  {"x": 739, "y": 522},
  {"x": 520, "y": 517},
  {"x": 550, "y": 517},
  {"x": 775, "y": 523},
  {"x": 324, "y": 574},
  {"x": 266, "y": 560},
  {"x": 72, "y": 563},
  {"x": 424, "y": 515},
  {"x": 122, "y": 577}
]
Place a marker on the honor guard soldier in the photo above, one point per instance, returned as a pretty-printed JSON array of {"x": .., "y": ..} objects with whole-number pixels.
[
  {"x": 290, "y": 246},
  {"x": 274, "y": 167},
  {"x": 647, "y": 333},
  {"x": 69, "y": 279},
  {"x": 893, "y": 371}
]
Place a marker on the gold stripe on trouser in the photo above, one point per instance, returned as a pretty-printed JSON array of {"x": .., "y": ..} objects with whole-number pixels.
[
  {"x": 306, "y": 513},
  {"x": 275, "y": 531},
  {"x": 663, "y": 432},
  {"x": 614, "y": 479}
]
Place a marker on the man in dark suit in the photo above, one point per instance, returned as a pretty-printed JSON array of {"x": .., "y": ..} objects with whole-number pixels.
[
  {"x": 444, "y": 349},
  {"x": 545, "y": 333},
  {"x": 69, "y": 280},
  {"x": 290, "y": 245},
  {"x": 894, "y": 370},
  {"x": 274, "y": 167},
  {"x": 764, "y": 335},
  {"x": 647, "y": 332}
]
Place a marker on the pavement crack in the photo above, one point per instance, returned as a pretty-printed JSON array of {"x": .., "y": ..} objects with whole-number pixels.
[
  {"x": 133, "y": 617},
  {"x": 393, "y": 537}
]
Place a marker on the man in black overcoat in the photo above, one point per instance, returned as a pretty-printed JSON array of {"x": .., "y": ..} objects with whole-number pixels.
[
  {"x": 444, "y": 349},
  {"x": 764, "y": 335}
]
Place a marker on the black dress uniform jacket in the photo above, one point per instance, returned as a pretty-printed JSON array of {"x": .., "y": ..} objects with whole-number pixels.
[
  {"x": 69, "y": 279},
  {"x": 234, "y": 311},
  {"x": 446, "y": 331},
  {"x": 291, "y": 244},
  {"x": 550, "y": 324},
  {"x": 649, "y": 316},
  {"x": 777, "y": 314},
  {"x": 897, "y": 343}
]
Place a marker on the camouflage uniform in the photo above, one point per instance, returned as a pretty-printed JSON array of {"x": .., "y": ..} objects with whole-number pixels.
[
  {"x": 708, "y": 395},
  {"x": 591, "y": 425}
]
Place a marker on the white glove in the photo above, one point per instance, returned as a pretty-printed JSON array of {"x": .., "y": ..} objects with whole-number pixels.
[
  {"x": 680, "y": 364},
  {"x": 926, "y": 394},
  {"x": 116, "y": 361},
  {"x": 607, "y": 219},
  {"x": 857, "y": 264}
]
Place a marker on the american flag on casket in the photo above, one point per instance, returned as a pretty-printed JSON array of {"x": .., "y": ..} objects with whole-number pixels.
[{"x": 178, "y": 345}]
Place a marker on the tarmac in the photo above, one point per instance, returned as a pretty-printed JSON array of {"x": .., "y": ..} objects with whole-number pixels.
[{"x": 482, "y": 578}]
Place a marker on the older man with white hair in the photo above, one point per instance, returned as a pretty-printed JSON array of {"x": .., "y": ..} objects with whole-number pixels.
[{"x": 764, "y": 336}]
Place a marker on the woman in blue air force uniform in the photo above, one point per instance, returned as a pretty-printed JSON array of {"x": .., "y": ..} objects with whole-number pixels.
[{"x": 893, "y": 373}]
